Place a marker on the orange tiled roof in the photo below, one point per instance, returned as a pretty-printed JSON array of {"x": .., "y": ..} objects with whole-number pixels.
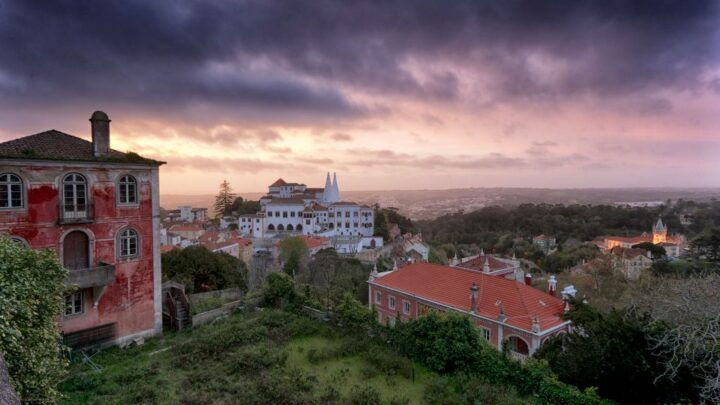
[
  {"x": 278, "y": 183},
  {"x": 450, "y": 286},
  {"x": 166, "y": 248},
  {"x": 185, "y": 228},
  {"x": 315, "y": 241}
]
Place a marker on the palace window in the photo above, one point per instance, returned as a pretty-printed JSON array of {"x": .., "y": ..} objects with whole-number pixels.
[
  {"x": 127, "y": 190},
  {"x": 292, "y": 214},
  {"x": 391, "y": 302},
  {"x": 355, "y": 224},
  {"x": 355, "y": 213},
  {"x": 378, "y": 297},
  {"x": 74, "y": 304},
  {"x": 11, "y": 191},
  {"x": 406, "y": 307},
  {"x": 284, "y": 214},
  {"x": 485, "y": 333},
  {"x": 128, "y": 243},
  {"x": 347, "y": 214}
]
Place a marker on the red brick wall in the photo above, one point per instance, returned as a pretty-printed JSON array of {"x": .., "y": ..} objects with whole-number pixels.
[
  {"x": 129, "y": 301},
  {"x": 386, "y": 313}
]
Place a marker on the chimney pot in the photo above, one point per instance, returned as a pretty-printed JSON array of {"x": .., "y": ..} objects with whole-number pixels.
[
  {"x": 473, "y": 297},
  {"x": 100, "y": 128},
  {"x": 528, "y": 279}
]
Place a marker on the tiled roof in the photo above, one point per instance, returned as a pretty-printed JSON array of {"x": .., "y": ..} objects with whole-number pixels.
[
  {"x": 167, "y": 248},
  {"x": 286, "y": 201},
  {"x": 628, "y": 253},
  {"x": 278, "y": 183},
  {"x": 56, "y": 145},
  {"x": 450, "y": 286},
  {"x": 185, "y": 228},
  {"x": 631, "y": 239},
  {"x": 315, "y": 241},
  {"x": 478, "y": 263}
]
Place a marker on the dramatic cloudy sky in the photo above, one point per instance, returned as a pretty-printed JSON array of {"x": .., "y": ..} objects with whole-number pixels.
[{"x": 390, "y": 94}]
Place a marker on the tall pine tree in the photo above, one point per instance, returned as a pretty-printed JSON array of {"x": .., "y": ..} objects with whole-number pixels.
[{"x": 224, "y": 199}]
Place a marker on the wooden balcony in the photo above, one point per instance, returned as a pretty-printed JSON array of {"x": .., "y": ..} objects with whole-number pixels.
[
  {"x": 97, "y": 276},
  {"x": 75, "y": 214}
]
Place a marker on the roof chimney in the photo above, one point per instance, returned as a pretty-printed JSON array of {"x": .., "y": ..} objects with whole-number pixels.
[
  {"x": 100, "y": 126},
  {"x": 486, "y": 266},
  {"x": 473, "y": 297},
  {"x": 552, "y": 285},
  {"x": 536, "y": 324},
  {"x": 528, "y": 279}
]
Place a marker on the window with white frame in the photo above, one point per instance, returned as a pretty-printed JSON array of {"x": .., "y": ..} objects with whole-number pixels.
[
  {"x": 378, "y": 297},
  {"x": 74, "y": 304},
  {"x": 406, "y": 307},
  {"x": 391, "y": 302},
  {"x": 128, "y": 243},
  {"x": 11, "y": 191},
  {"x": 127, "y": 190},
  {"x": 485, "y": 333}
]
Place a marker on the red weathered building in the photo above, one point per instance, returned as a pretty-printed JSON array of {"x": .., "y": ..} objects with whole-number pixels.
[
  {"x": 503, "y": 309},
  {"x": 98, "y": 210}
]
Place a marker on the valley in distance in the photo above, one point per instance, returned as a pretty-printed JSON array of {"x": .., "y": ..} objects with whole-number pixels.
[{"x": 428, "y": 204}]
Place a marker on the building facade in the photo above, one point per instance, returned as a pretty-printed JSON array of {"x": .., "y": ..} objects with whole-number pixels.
[
  {"x": 98, "y": 210},
  {"x": 674, "y": 245},
  {"x": 503, "y": 309}
]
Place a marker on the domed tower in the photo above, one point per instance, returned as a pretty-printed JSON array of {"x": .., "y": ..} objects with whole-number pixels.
[{"x": 659, "y": 232}]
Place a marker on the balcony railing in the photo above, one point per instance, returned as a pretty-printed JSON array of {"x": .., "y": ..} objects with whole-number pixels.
[
  {"x": 75, "y": 213},
  {"x": 518, "y": 356},
  {"x": 97, "y": 276}
]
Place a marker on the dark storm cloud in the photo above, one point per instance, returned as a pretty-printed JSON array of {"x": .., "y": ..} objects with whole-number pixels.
[{"x": 295, "y": 56}]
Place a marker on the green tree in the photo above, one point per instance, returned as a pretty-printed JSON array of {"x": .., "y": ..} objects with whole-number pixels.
[
  {"x": 224, "y": 199},
  {"x": 200, "y": 269},
  {"x": 279, "y": 290},
  {"x": 655, "y": 250},
  {"x": 381, "y": 225},
  {"x": 31, "y": 297},
  {"x": 613, "y": 351},
  {"x": 293, "y": 254},
  {"x": 242, "y": 207}
]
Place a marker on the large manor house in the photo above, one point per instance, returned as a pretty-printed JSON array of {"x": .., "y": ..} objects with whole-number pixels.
[{"x": 673, "y": 244}]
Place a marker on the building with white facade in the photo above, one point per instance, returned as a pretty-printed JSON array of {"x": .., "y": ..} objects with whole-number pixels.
[{"x": 294, "y": 209}]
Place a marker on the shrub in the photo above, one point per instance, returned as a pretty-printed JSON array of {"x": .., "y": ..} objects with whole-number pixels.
[
  {"x": 252, "y": 359},
  {"x": 31, "y": 297},
  {"x": 366, "y": 395},
  {"x": 279, "y": 290}
]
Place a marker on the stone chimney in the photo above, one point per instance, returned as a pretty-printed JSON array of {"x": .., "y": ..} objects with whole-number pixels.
[
  {"x": 100, "y": 126},
  {"x": 528, "y": 279},
  {"x": 536, "y": 324},
  {"x": 486, "y": 266},
  {"x": 552, "y": 285},
  {"x": 501, "y": 316},
  {"x": 473, "y": 297}
]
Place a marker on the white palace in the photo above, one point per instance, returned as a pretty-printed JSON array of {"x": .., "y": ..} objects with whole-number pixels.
[{"x": 295, "y": 209}]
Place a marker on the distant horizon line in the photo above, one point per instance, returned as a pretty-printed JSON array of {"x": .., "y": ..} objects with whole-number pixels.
[{"x": 492, "y": 188}]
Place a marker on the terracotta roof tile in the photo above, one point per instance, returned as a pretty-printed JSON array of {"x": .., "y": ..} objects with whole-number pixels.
[
  {"x": 56, "y": 145},
  {"x": 450, "y": 286}
]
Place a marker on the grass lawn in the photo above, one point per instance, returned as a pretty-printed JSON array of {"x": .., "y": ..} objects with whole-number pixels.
[
  {"x": 353, "y": 372},
  {"x": 254, "y": 358}
]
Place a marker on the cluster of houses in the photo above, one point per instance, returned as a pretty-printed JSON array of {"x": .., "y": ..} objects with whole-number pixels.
[{"x": 98, "y": 210}]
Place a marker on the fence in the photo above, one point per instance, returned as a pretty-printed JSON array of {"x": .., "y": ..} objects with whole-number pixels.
[{"x": 228, "y": 294}]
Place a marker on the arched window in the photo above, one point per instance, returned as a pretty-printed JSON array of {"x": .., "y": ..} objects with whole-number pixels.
[
  {"x": 281, "y": 227},
  {"x": 271, "y": 227},
  {"x": 74, "y": 196},
  {"x": 290, "y": 227},
  {"x": 299, "y": 228},
  {"x": 127, "y": 190},
  {"x": 20, "y": 241},
  {"x": 11, "y": 191},
  {"x": 332, "y": 225},
  {"x": 128, "y": 242}
]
